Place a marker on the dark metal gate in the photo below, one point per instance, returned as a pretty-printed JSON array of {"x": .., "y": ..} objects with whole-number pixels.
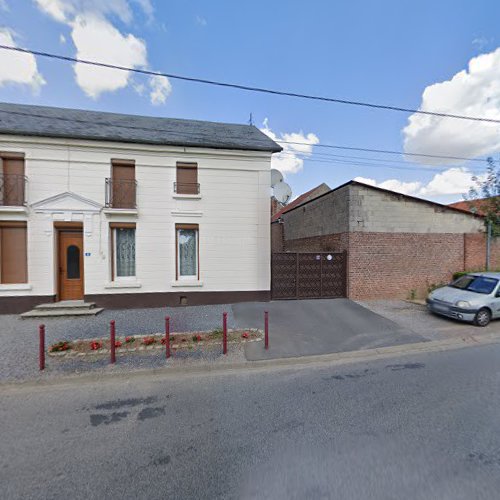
[{"x": 308, "y": 275}]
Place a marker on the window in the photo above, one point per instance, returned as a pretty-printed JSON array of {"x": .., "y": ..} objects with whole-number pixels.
[
  {"x": 73, "y": 262},
  {"x": 13, "y": 253},
  {"x": 123, "y": 184},
  {"x": 187, "y": 179},
  {"x": 478, "y": 284},
  {"x": 123, "y": 250},
  {"x": 187, "y": 251},
  {"x": 12, "y": 181}
]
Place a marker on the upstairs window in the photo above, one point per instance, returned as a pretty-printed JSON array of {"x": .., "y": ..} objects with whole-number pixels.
[
  {"x": 13, "y": 253},
  {"x": 187, "y": 179},
  {"x": 123, "y": 184},
  {"x": 123, "y": 250},
  {"x": 12, "y": 180}
]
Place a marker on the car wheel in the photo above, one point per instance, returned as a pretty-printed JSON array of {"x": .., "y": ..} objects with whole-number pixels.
[{"x": 483, "y": 317}]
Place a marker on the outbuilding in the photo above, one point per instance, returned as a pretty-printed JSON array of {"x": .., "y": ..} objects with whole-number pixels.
[{"x": 385, "y": 245}]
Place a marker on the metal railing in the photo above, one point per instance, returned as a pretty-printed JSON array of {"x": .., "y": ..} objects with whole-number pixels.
[
  {"x": 120, "y": 193},
  {"x": 12, "y": 190},
  {"x": 186, "y": 188}
]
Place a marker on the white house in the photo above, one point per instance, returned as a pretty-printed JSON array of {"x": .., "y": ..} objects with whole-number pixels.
[{"x": 131, "y": 211}]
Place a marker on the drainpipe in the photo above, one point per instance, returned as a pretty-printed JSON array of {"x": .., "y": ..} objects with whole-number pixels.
[{"x": 488, "y": 246}]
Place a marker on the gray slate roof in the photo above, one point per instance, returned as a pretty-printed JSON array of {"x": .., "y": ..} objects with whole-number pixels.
[{"x": 20, "y": 119}]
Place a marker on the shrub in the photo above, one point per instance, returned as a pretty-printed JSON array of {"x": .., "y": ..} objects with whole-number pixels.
[
  {"x": 95, "y": 345},
  {"x": 64, "y": 345},
  {"x": 458, "y": 274},
  {"x": 148, "y": 340},
  {"x": 129, "y": 340},
  {"x": 216, "y": 333},
  {"x": 432, "y": 286}
]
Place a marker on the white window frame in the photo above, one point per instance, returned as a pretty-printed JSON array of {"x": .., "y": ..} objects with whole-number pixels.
[
  {"x": 190, "y": 277},
  {"x": 114, "y": 252}
]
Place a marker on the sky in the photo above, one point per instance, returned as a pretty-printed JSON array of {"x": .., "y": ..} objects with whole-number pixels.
[{"x": 434, "y": 55}]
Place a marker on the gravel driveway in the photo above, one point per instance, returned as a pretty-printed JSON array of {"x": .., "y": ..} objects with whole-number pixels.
[{"x": 19, "y": 338}]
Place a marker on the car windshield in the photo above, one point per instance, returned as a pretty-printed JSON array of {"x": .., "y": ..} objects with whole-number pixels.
[{"x": 478, "y": 284}]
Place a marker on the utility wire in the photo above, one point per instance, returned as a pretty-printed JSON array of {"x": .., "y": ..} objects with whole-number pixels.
[
  {"x": 176, "y": 133},
  {"x": 248, "y": 87}
]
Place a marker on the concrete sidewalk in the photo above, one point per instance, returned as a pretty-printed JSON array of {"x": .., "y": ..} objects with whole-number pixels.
[{"x": 320, "y": 326}]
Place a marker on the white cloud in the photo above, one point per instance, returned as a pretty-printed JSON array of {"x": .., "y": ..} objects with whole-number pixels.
[
  {"x": 452, "y": 181},
  {"x": 66, "y": 10},
  {"x": 4, "y": 5},
  {"x": 160, "y": 89},
  {"x": 147, "y": 8},
  {"x": 472, "y": 92},
  {"x": 291, "y": 159},
  {"x": 201, "y": 21},
  {"x": 480, "y": 42},
  {"x": 411, "y": 188},
  {"x": 16, "y": 67},
  {"x": 140, "y": 88},
  {"x": 97, "y": 39},
  {"x": 62, "y": 38}
]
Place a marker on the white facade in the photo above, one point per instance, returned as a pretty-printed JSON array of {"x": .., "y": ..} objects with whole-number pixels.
[{"x": 66, "y": 182}]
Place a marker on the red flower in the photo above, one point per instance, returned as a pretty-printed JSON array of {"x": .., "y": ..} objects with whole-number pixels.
[
  {"x": 148, "y": 340},
  {"x": 245, "y": 335},
  {"x": 118, "y": 343},
  {"x": 129, "y": 339},
  {"x": 95, "y": 345}
]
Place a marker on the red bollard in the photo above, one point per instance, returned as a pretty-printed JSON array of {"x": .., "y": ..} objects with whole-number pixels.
[
  {"x": 266, "y": 329},
  {"x": 112, "y": 341},
  {"x": 224, "y": 333},
  {"x": 167, "y": 337},
  {"x": 41, "y": 351}
]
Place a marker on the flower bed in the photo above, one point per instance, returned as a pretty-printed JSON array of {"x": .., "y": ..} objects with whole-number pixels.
[{"x": 134, "y": 343}]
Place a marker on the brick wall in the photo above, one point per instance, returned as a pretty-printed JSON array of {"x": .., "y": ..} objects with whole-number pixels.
[
  {"x": 276, "y": 237},
  {"x": 327, "y": 243},
  {"x": 391, "y": 265},
  {"x": 474, "y": 252},
  {"x": 495, "y": 253}
]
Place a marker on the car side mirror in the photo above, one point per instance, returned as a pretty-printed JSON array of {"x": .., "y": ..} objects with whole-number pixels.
[{"x": 497, "y": 295}]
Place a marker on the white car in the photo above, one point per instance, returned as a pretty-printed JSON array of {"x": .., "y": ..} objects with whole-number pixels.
[{"x": 474, "y": 297}]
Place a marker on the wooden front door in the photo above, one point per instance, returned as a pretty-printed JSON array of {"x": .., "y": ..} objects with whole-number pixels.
[{"x": 70, "y": 265}]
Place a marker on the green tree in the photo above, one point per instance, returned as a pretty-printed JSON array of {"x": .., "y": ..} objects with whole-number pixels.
[{"x": 487, "y": 189}]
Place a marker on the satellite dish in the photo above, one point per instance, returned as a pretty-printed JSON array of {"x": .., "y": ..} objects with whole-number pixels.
[
  {"x": 282, "y": 192},
  {"x": 276, "y": 177}
]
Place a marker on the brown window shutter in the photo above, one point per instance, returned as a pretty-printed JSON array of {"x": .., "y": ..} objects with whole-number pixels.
[
  {"x": 13, "y": 253},
  {"x": 123, "y": 179},
  {"x": 187, "y": 178},
  {"x": 13, "y": 180}
]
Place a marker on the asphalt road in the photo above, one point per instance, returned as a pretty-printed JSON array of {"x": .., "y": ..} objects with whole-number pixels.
[
  {"x": 421, "y": 427},
  {"x": 318, "y": 326}
]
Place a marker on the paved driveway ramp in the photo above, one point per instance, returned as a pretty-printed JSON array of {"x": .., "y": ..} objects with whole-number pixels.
[{"x": 321, "y": 326}]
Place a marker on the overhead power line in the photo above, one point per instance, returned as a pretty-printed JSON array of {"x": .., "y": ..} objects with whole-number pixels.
[
  {"x": 248, "y": 87},
  {"x": 184, "y": 133}
]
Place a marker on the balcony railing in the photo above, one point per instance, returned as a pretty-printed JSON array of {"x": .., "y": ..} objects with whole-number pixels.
[
  {"x": 186, "y": 188},
  {"x": 121, "y": 193},
  {"x": 12, "y": 190}
]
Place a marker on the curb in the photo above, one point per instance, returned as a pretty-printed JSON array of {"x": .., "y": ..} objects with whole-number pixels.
[{"x": 333, "y": 359}]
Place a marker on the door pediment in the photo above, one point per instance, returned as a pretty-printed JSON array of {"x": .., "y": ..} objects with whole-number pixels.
[{"x": 67, "y": 202}]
